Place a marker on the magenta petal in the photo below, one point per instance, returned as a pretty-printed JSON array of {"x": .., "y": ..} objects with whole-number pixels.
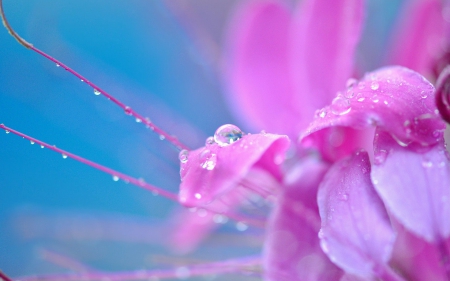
[
  {"x": 213, "y": 170},
  {"x": 419, "y": 37},
  {"x": 356, "y": 232},
  {"x": 414, "y": 186},
  {"x": 260, "y": 88},
  {"x": 324, "y": 36},
  {"x": 292, "y": 250},
  {"x": 396, "y": 99},
  {"x": 443, "y": 94}
]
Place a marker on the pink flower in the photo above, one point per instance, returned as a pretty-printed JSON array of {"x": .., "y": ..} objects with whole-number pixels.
[{"x": 343, "y": 213}]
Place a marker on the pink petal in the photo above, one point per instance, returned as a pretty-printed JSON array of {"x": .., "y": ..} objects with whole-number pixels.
[
  {"x": 443, "y": 94},
  {"x": 324, "y": 36},
  {"x": 396, "y": 99},
  {"x": 356, "y": 232},
  {"x": 414, "y": 186},
  {"x": 259, "y": 85},
  {"x": 292, "y": 251},
  {"x": 214, "y": 170},
  {"x": 418, "y": 40}
]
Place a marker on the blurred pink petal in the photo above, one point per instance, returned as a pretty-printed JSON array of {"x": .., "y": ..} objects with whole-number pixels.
[
  {"x": 395, "y": 99},
  {"x": 213, "y": 170},
  {"x": 260, "y": 89},
  {"x": 356, "y": 232},
  {"x": 443, "y": 94},
  {"x": 414, "y": 186},
  {"x": 324, "y": 37},
  {"x": 292, "y": 251},
  {"x": 418, "y": 40}
]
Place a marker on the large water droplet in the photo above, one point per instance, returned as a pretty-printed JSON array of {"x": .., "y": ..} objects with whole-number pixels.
[
  {"x": 208, "y": 159},
  {"x": 183, "y": 156},
  {"x": 340, "y": 106},
  {"x": 227, "y": 134},
  {"x": 96, "y": 92}
]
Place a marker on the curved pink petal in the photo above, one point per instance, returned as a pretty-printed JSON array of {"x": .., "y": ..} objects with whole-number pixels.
[
  {"x": 443, "y": 94},
  {"x": 260, "y": 89},
  {"x": 356, "y": 232},
  {"x": 292, "y": 250},
  {"x": 395, "y": 99},
  {"x": 324, "y": 37},
  {"x": 418, "y": 40},
  {"x": 213, "y": 170},
  {"x": 414, "y": 186}
]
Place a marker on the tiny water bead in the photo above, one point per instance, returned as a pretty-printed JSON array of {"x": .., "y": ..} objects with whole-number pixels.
[
  {"x": 115, "y": 178},
  {"x": 162, "y": 137},
  {"x": 128, "y": 110},
  {"x": 374, "y": 86},
  {"x": 183, "y": 156},
  {"x": 6, "y": 131},
  {"x": 96, "y": 92},
  {"x": 57, "y": 65},
  {"x": 340, "y": 106},
  {"x": 209, "y": 141},
  {"x": 227, "y": 134},
  {"x": 64, "y": 156},
  {"x": 138, "y": 120},
  {"x": 42, "y": 146},
  {"x": 208, "y": 160},
  {"x": 32, "y": 142}
]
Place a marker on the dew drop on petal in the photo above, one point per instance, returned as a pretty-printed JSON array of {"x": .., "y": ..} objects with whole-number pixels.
[
  {"x": 361, "y": 99},
  {"x": 380, "y": 156},
  {"x": 115, "y": 178},
  {"x": 351, "y": 82},
  {"x": 241, "y": 226},
  {"x": 208, "y": 159},
  {"x": 183, "y": 156},
  {"x": 375, "y": 98},
  {"x": 340, "y": 106},
  {"x": 209, "y": 141},
  {"x": 198, "y": 196},
  {"x": 323, "y": 113},
  {"x": 423, "y": 95},
  {"x": 227, "y": 134},
  {"x": 96, "y": 92},
  {"x": 374, "y": 86}
]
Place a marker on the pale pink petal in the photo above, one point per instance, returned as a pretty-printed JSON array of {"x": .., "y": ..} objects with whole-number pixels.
[
  {"x": 414, "y": 186},
  {"x": 292, "y": 251},
  {"x": 395, "y": 99},
  {"x": 324, "y": 35},
  {"x": 260, "y": 90},
  {"x": 416, "y": 259},
  {"x": 213, "y": 170},
  {"x": 419, "y": 38},
  {"x": 443, "y": 94},
  {"x": 356, "y": 232}
]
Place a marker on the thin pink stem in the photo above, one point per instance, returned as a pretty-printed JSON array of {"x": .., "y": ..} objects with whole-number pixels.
[
  {"x": 4, "y": 277},
  {"x": 114, "y": 173},
  {"x": 127, "y": 109},
  {"x": 232, "y": 266}
]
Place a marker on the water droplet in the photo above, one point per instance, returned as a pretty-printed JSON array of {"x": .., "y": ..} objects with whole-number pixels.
[
  {"x": 423, "y": 95},
  {"x": 375, "y": 98},
  {"x": 7, "y": 131},
  {"x": 183, "y": 156},
  {"x": 42, "y": 146},
  {"x": 64, "y": 156},
  {"x": 351, "y": 82},
  {"x": 427, "y": 164},
  {"x": 183, "y": 272},
  {"x": 96, "y": 92},
  {"x": 57, "y": 65},
  {"x": 208, "y": 159},
  {"x": 227, "y": 134},
  {"x": 386, "y": 102},
  {"x": 115, "y": 178},
  {"x": 340, "y": 106},
  {"x": 138, "y": 120},
  {"x": 162, "y": 137},
  {"x": 374, "y": 86},
  {"x": 198, "y": 196},
  {"x": 380, "y": 156},
  {"x": 323, "y": 113},
  {"x": 32, "y": 142},
  {"x": 263, "y": 132},
  {"x": 241, "y": 226},
  {"x": 128, "y": 110},
  {"x": 209, "y": 141},
  {"x": 81, "y": 80},
  {"x": 349, "y": 93},
  {"x": 361, "y": 99}
]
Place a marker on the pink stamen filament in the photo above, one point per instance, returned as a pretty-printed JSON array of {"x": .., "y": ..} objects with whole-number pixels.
[
  {"x": 114, "y": 173},
  {"x": 231, "y": 266}
]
